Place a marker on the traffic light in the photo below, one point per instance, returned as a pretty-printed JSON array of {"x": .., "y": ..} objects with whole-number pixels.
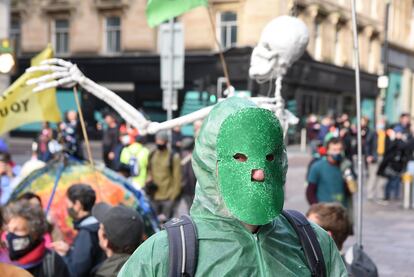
[{"x": 7, "y": 61}]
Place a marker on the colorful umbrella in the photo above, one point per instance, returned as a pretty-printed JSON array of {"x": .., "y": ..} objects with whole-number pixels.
[{"x": 52, "y": 181}]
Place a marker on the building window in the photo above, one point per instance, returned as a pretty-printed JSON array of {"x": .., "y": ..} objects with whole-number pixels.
[
  {"x": 113, "y": 34},
  {"x": 15, "y": 33},
  {"x": 227, "y": 29},
  {"x": 61, "y": 37},
  {"x": 318, "y": 40}
]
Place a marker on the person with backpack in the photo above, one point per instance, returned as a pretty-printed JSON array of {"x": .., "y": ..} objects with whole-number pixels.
[
  {"x": 135, "y": 157},
  {"x": 84, "y": 255},
  {"x": 164, "y": 176},
  {"x": 237, "y": 226},
  {"x": 25, "y": 230}
]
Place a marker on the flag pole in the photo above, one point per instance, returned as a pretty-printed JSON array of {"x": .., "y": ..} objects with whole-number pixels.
[
  {"x": 85, "y": 135},
  {"x": 220, "y": 48},
  {"x": 359, "y": 139}
]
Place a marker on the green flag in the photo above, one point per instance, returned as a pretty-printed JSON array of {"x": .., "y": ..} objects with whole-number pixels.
[{"x": 159, "y": 11}]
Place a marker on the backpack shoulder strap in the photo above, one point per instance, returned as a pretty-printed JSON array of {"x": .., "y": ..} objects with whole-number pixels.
[
  {"x": 309, "y": 242},
  {"x": 183, "y": 246}
]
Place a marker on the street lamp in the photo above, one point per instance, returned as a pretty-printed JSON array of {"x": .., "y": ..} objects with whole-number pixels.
[{"x": 6, "y": 57}]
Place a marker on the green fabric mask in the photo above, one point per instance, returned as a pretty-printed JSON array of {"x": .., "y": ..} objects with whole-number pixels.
[{"x": 255, "y": 134}]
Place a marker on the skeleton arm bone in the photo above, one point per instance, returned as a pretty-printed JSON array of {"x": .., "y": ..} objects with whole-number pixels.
[
  {"x": 73, "y": 76},
  {"x": 70, "y": 75}
]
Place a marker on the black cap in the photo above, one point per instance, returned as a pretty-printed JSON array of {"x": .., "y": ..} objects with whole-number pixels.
[{"x": 123, "y": 226}]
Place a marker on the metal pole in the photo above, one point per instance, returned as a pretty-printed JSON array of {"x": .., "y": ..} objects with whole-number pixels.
[
  {"x": 385, "y": 53},
  {"x": 4, "y": 33},
  {"x": 358, "y": 104},
  {"x": 171, "y": 83}
]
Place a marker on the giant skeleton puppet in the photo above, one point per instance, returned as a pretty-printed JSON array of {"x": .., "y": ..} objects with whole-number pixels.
[{"x": 282, "y": 42}]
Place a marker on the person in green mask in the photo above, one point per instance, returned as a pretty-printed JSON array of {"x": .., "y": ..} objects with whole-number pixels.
[{"x": 240, "y": 163}]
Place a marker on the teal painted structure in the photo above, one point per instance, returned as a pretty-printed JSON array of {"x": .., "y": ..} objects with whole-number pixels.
[{"x": 393, "y": 97}]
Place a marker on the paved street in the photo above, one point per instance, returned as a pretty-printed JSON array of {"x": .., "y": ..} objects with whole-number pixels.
[
  {"x": 388, "y": 234},
  {"x": 388, "y": 231}
]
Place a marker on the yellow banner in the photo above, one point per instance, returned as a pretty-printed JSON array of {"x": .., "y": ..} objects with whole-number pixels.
[{"x": 19, "y": 105}]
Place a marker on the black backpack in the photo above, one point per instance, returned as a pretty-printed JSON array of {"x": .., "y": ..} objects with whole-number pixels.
[
  {"x": 183, "y": 244},
  {"x": 358, "y": 263}
]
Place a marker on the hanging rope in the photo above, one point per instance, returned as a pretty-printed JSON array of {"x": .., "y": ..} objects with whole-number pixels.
[
  {"x": 85, "y": 135},
  {"x": 220, "y": 48}
]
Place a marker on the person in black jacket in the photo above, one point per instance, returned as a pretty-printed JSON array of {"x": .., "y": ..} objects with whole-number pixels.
[
  {"x": 110, "y": 140},
  {"x": 395, "y": 160},
  {"x": 26, "y": 227},
  {"x": 85, "y": 255}
]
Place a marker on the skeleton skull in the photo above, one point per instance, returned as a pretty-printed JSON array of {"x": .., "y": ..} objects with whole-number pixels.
[{"x": 282, "y": 42}]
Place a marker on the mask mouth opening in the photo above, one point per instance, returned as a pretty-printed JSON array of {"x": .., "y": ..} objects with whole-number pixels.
[{"x": 257, "y": 175}]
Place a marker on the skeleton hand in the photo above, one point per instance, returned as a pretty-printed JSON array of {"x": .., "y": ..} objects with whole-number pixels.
[{"x": 64, "y": 74}]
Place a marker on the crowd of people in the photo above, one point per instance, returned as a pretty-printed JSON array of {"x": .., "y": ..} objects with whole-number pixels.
[
  {"x": 107, "y": 236},
  {"x": 387, "y": 150}
]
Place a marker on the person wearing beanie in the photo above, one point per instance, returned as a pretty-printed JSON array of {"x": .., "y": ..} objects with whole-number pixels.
[{"x": 120, "y": 233}]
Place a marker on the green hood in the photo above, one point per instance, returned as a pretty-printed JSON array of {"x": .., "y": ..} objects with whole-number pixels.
[
  {"x": 208, "y": 202},
  {"x": 225, "y": 246}
]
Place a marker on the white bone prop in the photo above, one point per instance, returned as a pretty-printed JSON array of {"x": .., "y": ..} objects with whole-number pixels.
[
  {"x": 72, "y": 76},
  {"x": 66, "y": 74},
  {"x": 282, "y": 42}
]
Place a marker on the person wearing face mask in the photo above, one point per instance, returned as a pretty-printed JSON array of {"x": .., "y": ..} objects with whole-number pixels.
[
  {"x": 9, "y": 270},
  {"x": 135, "y": 158},
  {"x": 26, "y": 227},
  {"x": 325, "y": 178},
  {"x": 164, "y": 176},
  {"x": 240, "y": 163},
  {"x": 84, "y": 255}
]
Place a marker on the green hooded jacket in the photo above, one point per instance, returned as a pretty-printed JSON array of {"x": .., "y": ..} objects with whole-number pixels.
[{"x": 226, "y": 247}]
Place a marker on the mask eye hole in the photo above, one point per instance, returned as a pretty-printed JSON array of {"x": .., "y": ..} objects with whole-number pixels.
[
  {"x": 270, "y": 157},
  {"x": 240, "y": 157}
]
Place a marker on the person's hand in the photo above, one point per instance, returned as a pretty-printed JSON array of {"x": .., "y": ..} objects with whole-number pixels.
[
  {"x": 111, "y": 156},
  {"x": 370, "y": 159},
  {"x": 60, "y": 247}
]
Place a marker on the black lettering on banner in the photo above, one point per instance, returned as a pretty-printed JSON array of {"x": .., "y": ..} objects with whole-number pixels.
[
  {"x": 25, "y": 104},
  {"x": 3, "y": 112},
  {"x": 15, "y": 107}
]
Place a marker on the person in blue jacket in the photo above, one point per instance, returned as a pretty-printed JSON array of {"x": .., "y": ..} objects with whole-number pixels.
[{"x": 85, "y": 255}]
